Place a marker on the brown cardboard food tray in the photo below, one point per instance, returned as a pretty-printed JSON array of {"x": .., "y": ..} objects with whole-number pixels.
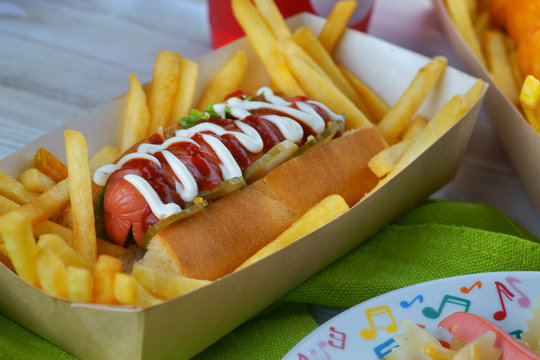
[
  {"x": 520, "y": 141},
  {"x": 182, "y": 327}
]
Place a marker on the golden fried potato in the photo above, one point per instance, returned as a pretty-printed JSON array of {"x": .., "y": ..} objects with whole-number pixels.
[{"x": 49, "y": 164}]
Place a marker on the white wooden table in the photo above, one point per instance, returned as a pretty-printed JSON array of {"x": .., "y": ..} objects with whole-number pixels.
[{"x": 59, "y": 58}]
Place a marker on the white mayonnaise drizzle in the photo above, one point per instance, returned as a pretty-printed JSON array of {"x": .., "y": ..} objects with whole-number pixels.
[
  {"x": 154, "y": 148},
  {"x": 186, "y": 186},
  {"x": 102, "y": 174},
  {"x": 249, "y": 138},
  {"x": 229, "y": 166},
  {"x": 290, "y": 129},
  {"x": 159, "y": 209}
]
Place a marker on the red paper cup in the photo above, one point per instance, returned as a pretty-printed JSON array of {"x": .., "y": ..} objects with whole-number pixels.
[{"x": 224, "y": 28}]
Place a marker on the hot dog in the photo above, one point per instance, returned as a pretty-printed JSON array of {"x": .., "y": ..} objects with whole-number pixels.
[{"x": 164, "y": 176}]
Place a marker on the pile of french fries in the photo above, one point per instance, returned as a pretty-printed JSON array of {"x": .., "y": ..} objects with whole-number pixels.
[
  {"x": 47, "y": 223},
  {"x": 497, "y": 51}
]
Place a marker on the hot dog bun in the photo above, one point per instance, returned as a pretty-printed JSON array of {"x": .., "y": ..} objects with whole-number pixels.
[{"x": 219, "y": 238}]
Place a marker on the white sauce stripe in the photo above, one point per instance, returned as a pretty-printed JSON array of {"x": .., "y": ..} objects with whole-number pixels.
[
  {"x": 154, "y": 148},
  {"x": 331, "y": 115},
  {"x": 249, "y": 138},
  {"x": 187, "y": 186},
  {"x": 290, "y": 129},
  {"x": 229, "y": 166},
  {"x": 159, "y": 209},
  {"x": 316, "y": 122},
  {"x": 271, "y": 98},
  {"x": 102, "y": 174}
]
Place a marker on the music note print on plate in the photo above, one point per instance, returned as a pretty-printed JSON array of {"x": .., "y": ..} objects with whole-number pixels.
[
  {"x": 384, "y": 348},
  {"x": 502, "y": 290},
  {"x": 516, "y": 333},
  {"x": 523, "y": 301},
  {"x": 339, "y": 336},
  {"x": 315, "y": 353},
  {"x": 431, "y": 313},
  {"x": 371, "y": 332},
  {"x": 367, "y": 331},
  {"x": 404, "y": 304},
  {"x": 467, "y": 290}
]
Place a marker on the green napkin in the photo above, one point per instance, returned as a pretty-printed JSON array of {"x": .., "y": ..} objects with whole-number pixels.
[{"x": 438, "y": 239}]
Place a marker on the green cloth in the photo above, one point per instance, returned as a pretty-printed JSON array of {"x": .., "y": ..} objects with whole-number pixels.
[{"x": 438, "y": 239}]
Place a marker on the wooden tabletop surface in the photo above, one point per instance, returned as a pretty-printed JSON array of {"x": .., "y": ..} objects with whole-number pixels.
[{"x": 59, "y": 58}]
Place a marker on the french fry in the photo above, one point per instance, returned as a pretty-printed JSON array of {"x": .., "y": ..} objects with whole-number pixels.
[
  {"x": 80, "y": 193},
  {"x": 4, "y": 258},
  {"x": 6, "y": 205},
  {"x": 163, "y": 88},
  {"x": 382, "y": 163},
  {"x": 49, "y": 227},
  {"x": 127, "y": 291},
  {"x": 53, "y": 200},
  {"x": 481, "y": 24},
  {"x": 499, "y": 64},
  {"x": 321, "y": 213},
  {"x": 164, "y": 285},
  {"x": 378, "y": 107},
  {"x": 530, "y": 101},
  {"x": 474, "y": 92},
  {"x": 186, "y": 88},
  {"x": 272, "y": 16},
  {"x": 20, "y": 245},
  {"x": 104, "y": 273},
  {"x": 51, "y": 272},
  {"x": 136, "y": 117},
  {"x": 414, "y": 128},
  {"x": 105, "y": 155},
  {"x": 80, "y": 284},
  {"x": 14, "y": 190},
  {"x": 44, "y": 227},
  {"x": 34, "y": 180},
  {"x": 336, "y": 23},
  {"x": 513, "y": 61},
  {"x": 312, "y": 46},
  {"x": 263, "y": 41},
  {"x": 111, "y": 249},
  {"x": 290, "y": 48},
  {"x": 49, "y": 164},
  {"x": 447, "y": 116},
  {"x": 227, "y": 80},
  {"x": 63, "y": 251},
  {"x": 320, "y": 89},
  {"x": 395, "y": 121},
  {"x": 47, "y": 203},
  {"x": 460, "y": 15}
]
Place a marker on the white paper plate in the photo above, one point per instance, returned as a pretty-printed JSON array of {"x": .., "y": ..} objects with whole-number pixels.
[{"x": 366, "y": 330}]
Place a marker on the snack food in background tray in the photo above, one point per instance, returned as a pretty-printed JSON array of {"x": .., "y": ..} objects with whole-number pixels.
[
  {"x": 46, "y": 223},
  {"x": 505, "y": 37}
]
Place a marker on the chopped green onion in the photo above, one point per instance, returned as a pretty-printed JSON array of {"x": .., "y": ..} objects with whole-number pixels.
[{"x": 193, "y": 118}]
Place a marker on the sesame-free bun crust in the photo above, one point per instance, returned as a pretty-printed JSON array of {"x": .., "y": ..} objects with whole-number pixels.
[{"x": 219, "y": 238}]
